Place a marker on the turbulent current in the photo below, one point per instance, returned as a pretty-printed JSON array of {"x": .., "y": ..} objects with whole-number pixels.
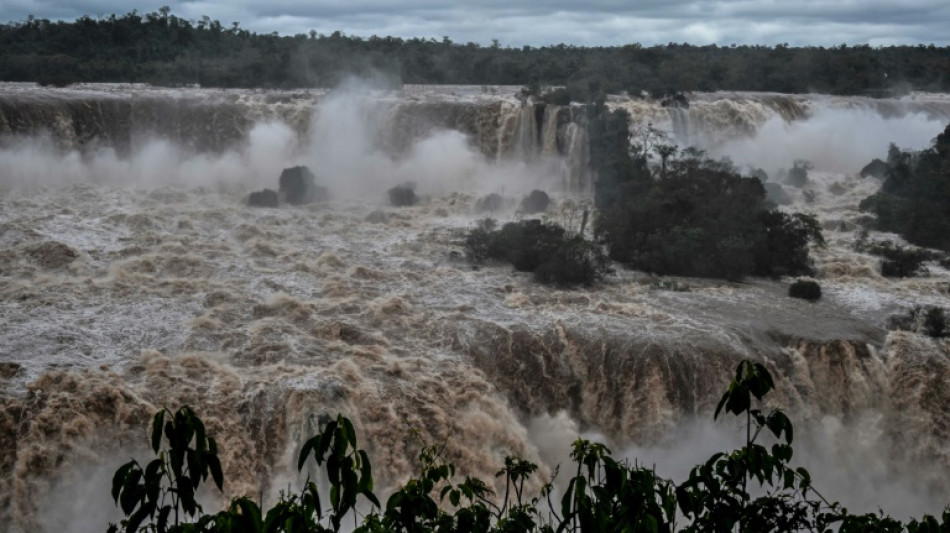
[{"x": 133, "y": 275}]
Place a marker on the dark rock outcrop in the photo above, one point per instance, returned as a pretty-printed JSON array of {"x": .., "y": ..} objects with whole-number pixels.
[
  {"x": 403, "y": 195},
  {"x": 298, "y": 186},
  {"x": 491, "y": 202},
  {"x": 535, "y": 202},
  {"x": 675, "y": 100},
  {"x": 265, "y": 198}
]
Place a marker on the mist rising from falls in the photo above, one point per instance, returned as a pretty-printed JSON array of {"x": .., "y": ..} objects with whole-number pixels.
[
  {"x": 117, "y": 300},
  {"x": 833, "y": 139}
]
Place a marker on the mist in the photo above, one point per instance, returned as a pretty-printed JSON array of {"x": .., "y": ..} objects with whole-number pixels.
[
  {"x": 849, "y": 463},
  {"x": 38, "y": 161},
  {"x": 832, "y": 139},
  {"x": 342, "y": 147}
]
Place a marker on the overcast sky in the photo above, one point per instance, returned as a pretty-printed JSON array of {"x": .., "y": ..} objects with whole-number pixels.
[{"x": 540, "y": 22}]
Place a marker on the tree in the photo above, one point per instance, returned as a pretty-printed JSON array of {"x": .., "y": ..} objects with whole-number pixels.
[{"x": 914, "y": 199}]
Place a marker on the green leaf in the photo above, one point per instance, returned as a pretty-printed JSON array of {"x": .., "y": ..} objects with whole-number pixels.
[
  {"x": 335, "y": 496},
  {"x": 719, "y": 406},
  {"x": 118, "y": 479},
  {"x": 333, "y": 470},
  {"x": 201, "y": 439},
  {"x": 325, "y": 438},
  {"x": 214, "y": 464},
  {"x": 348, "y": 430},
  {"x": 136, "y": 519},
  {"x": 157, "y": 429},
  {"x": 131, "y": 492},
  {"x": 305, "y": 451},
  {"x": 372, "y": 498},
  {"x": 163, "y": 514},
  {"x": 366, "y": 472},
  {"x": 250, "y": 513},
  {"x": 651, "y": 523}
]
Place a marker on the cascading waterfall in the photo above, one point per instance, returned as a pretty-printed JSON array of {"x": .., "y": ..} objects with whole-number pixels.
[
  {"x": 136, "y": 277},
  {"x": 524, "y": 146},
  {"x": 549, "y": 129},
  {"x": 577, "y": 173}
]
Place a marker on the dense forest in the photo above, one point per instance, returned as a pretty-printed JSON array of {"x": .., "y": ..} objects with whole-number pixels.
[{"x": 163, "y": 49}]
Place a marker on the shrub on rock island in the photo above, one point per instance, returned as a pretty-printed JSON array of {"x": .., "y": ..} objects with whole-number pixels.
[
  {"x": 914, "y": 200},
  {"x": 544, "y": 249}
]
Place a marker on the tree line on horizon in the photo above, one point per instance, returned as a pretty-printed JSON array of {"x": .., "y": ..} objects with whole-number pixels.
[{"x": 163, "y": 49}]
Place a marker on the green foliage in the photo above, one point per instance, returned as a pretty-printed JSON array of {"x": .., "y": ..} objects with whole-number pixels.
[
  {"x": 805, "y": 289},
  {"x": 163, "y": 48},
  {"x": 914, "y": 199},
  {"x": 348, "y": 469},
  {"x": 898, "y": 261},
  {"x": 875, "y": 169},
  {"x": 164, "y": 491},
  {"x": 607, "y": 495},
  {"x": 798, "y": 175},
  {"x": 699, "y": 217},
  {"x": 617, "y": 169},
  {"x": 782, "y": 245},
  {"x": 753, "y": 488},
  {"x": 554, "y": 256}
]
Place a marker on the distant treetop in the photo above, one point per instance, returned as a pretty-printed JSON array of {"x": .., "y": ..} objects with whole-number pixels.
[{"x": 164, "y": 49}]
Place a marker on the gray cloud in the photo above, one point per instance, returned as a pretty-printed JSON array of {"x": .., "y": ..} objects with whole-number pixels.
[{"x": 541, "y": 22}]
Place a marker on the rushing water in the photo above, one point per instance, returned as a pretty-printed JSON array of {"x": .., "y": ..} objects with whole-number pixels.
[{"x": 132, "y": 276}]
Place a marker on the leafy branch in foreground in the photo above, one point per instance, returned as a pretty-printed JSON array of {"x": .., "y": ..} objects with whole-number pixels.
[{"x": 754, "y": 488}]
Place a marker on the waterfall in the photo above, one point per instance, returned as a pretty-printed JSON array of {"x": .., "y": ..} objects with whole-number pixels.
[
  {"x": 576, "y": 164},
  {"x": 549, "y": 126},
  {"x": 679, "y": 117}
]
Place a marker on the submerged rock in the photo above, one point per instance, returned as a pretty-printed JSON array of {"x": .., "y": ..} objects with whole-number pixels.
[
  {"x": 51, "y": 254},
  {"x": 9, "y": 370}
]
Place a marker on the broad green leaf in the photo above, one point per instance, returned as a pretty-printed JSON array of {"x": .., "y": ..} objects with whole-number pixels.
[
  {"x": 118, "y": 479},
  {"x": 305, "y": 451},
  {"x": 214, "y": 464},
  {"x": 157, "y": 429}
]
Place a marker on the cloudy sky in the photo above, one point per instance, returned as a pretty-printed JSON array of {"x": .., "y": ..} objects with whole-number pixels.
[{"x": 540, "y": 22}]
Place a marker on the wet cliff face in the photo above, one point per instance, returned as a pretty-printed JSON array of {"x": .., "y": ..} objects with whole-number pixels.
[
  {"x": 496, "y": 121},
  {"x": 121, "y": 295}
]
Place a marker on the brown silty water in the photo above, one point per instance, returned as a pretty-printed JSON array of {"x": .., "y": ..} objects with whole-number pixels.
[{"x": 133, "y": 276}]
